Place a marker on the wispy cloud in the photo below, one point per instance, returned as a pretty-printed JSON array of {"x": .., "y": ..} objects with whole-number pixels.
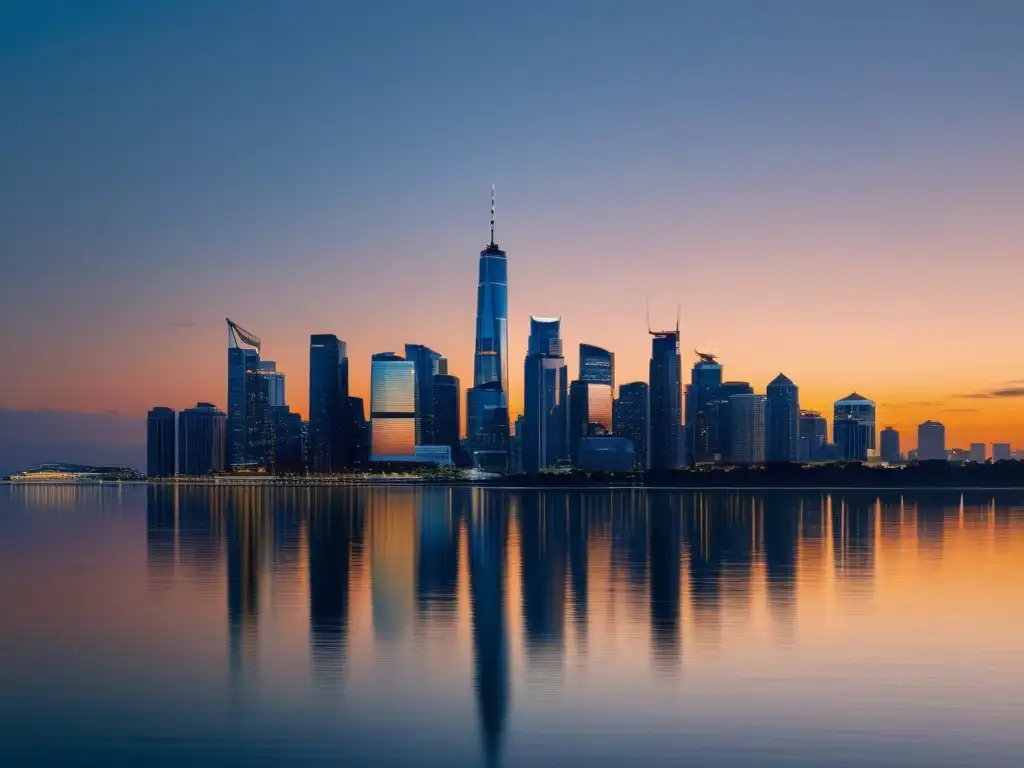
[
  {"x": 1001, "y": 392},
  {"x": 912, "y": 404},
  {"x": 960, "y": 410}
]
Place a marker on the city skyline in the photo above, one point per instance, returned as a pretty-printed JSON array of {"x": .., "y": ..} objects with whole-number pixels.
[{"x": 714, "y": 164}]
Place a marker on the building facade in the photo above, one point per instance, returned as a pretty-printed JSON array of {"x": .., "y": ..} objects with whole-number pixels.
[
  {"x": 160, "y": 442},
  {"x": 860, "y": 409},
  {"x": 275, "y": 383},
  {"x": 328, "y": 403},
  {"x": 665, "y": 445},
  {"x": 487, "y": 401},
  {"x": 977, "y": 453},
  {"x": 931, "y": 441},
  {"x": 852, "y": 437},
  {"x": 704, "y": 387},
  {"x": 428, "y": 364},
  {"x": 782, "y": 420},
  {"x": 243, "y": 360},
  {"x": 747, "y": 417},
  {"x": 630, "y": 418},
  {"x": 393, "y": 396},
  {"x": 202, "y": 438},
  {"x": 813, "y": 436},
  {"x": 447, "y": 414},
  {"x": 545, "y": 397},
  {"x": 889, "y": 441},
  {"x": 1001, "y": 452}
]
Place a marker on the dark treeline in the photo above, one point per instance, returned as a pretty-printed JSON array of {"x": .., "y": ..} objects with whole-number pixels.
[{"x": 937, "y": 474}]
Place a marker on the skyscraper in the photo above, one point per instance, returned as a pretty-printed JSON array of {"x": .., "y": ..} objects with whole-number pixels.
[
  {"x": 813, "y": 435},
  {"x": 446, "y": 413},
  {"x": 630, "y": 418},
  {"x": 747, "y": 416},
  {"x": 931, "y": 441},
  {"x": 428, "y": 365},
  {"x": 392, "y": 408},
  {"x": 201, "y": 440},
  {"x": 357, "y": 433},
  {"x": 704, "y": 386},
  {"x": 890, "y": 446},
  {"x": 852, "y": 436},
  {"x": 978, "y": 453},
  {"x": 545, "y": 396},
  {"x": 1001, "y": 452},
  {"x": 782, "y": 417},
  {"x": 859, "y": 408},
  {"x": 275, "y": 383},
  {"x": 487, "y": 411},
  {"x": 716, "y": 418},
  {"x": 666, "y": 401},
  {"x": 591, "y": 396},
  {"x": 328, "y": 402},
  {"x": 160, "y": 442},
  {"x": 287, "y": 453},
  {"x": 243, "y": 358}
]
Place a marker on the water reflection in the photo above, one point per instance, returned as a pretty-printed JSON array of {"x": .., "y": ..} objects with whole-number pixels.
[{"x": 524, "y": 595}]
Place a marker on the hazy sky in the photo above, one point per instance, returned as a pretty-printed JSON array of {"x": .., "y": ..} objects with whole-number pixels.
[{"x": 830, "y": 189}]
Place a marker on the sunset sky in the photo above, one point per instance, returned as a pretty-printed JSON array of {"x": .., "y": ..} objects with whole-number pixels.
[{"x": 833, "y": 190}]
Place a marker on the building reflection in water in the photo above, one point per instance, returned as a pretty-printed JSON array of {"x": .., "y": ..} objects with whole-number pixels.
[
  {"x": 593, "y": 568},
  {"x": 487, "y": 527},
  {"x": 336, "y": 525}
]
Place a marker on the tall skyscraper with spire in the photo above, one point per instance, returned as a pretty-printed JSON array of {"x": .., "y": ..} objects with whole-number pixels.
[
  {"x": 487, "y": 401},
  {"x": 666, "y": 447}
]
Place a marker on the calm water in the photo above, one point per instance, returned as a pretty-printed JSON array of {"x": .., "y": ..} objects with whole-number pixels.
[{"x": 404, "y": 626}]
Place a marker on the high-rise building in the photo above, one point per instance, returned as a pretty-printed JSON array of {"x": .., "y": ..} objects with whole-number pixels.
[
  {"x": 852, "y": 437},
  {"x": 258, "y": 418},
  {"x": 782, "y": 420},
  {"x": 597, "y": 365},
  {"x": 275, "y": 383},
  {"x": 590, "y": 412},
  {"x": 357, "y": 435},
  {"x": 243, "y": 359},
  {"x": 813, "y": 436},
  {"x": 393, "y": 398},
  {"x": 287, "y": 456},
  {"x": 860, "y": 409},
  {"x": 747, "y": 417},
  {"x": 160, "y": 442},
  {"x": 630, "y": 418},
  {"x": 446, "y": 413},
  {"x": 717, "y": 421},
  {"x": 487, "y": 410},
  {"x": 666, "y": 402},
  {"x": 931, "y": 441},
  {"x": 890, "y": 446},
  {"x": 202, "y": 433},
  {"x": 704, "y": 387},
  {"x": 977, "y": 453},
  {"x": 328, "y": 403},
  {"x": 1001, "y": 452},
  {"x": 545, "y": 397},
  {"x": 428, "y": 365}
]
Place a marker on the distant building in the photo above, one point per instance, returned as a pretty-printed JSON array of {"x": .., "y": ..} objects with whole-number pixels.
[
  {"x": 958, "y": 455},
  {"x": 852, "y": 437},
  {"x": 1018, "y": 455},
  {"x": 275, "y": 383},
  {"x": 433, "y": 454},
  {"x": 1001, "y": 452},
  {"x": 160, "y": 445},
  {"x": 747, "y": 415},
  {"x": 392, "y": 408},
  {"x": 606, "y": 454},
  {"x": 202, "y": 433},
  {"x": 858, "y": 408},
  {"x": 891, "y": 446},
  {"x": 782, "y": 420},
  {"x": 357, "y": 436},
  {"x": 546, "y": 394},
  {"x": 590, "y": 412},
  {"x": 813, "y": 436},
  {"x": 428, "y": 364},
  {"x": 243, "y": 360},
  {"x": 666, "y": 437},
  {"x": 931, "y": 441},
  {"x": 704, "y": 387},
  {"x": 487, "y": 426},
  {"x": 328, "y": 403},
  {"x": 717, "y": 420},
  {"x": 597, "y": 365},
  {"x": 977, "y": 453},
  {"x": 287, "y": 457},
  {"x": 630, "y": 418},
  {"x": 446, "y": 414}
]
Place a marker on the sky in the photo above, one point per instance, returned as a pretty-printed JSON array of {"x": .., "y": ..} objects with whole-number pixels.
[{"x": 831, "y": 190}]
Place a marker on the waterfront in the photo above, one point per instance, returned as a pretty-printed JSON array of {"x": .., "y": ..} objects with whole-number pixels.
[{"x": 177, "y": 625}]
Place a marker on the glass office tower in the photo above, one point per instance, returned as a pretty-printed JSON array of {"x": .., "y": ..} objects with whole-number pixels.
[
  {"x": 860, "y": 409},
  {"x": 546, "y": 393},
  {"x": 328, "y": 403},
  {"x": 428, "y": 365},
  {"x": 201, "y": 440},
  {"x": 782, "y": 420},
  {"x": 630, "y": 418},
  {"x": 243, "y": 359},
  {"x": 446, "y": 413},
  {"x": 705, "y": 387},
  {"x": 392, "y": 408},
  {"x": 487, "y": 400},
  {"x": 160, "y": 444},
  {"x": 666, "y": 399}
]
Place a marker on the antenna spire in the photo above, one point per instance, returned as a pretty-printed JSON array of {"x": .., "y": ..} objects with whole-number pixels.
[
  {"x": 647, "y": 301},
  {"x": 492, "y": 215}
]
